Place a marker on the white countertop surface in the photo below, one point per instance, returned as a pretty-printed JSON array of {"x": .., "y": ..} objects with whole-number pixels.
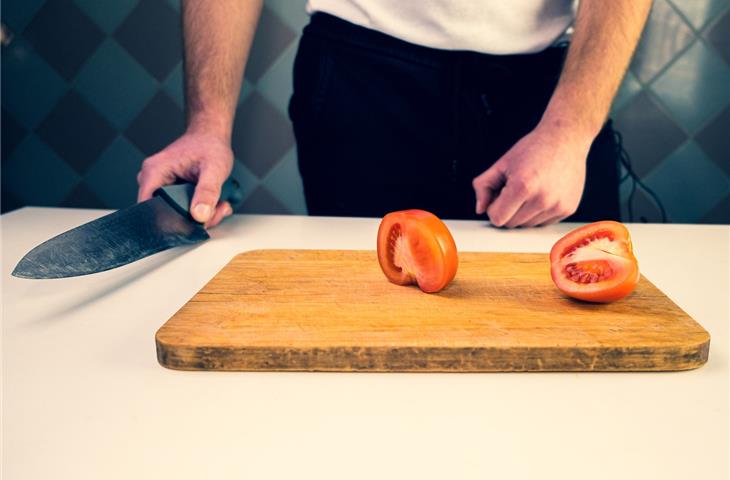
[{"x": 84, "y": 397}]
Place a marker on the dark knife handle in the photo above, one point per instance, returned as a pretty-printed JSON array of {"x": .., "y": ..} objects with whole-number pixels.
[{"x": 179, "y": 196}]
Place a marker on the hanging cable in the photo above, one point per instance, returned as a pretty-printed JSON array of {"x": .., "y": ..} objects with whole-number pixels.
[{"x": 636, "y": 182}]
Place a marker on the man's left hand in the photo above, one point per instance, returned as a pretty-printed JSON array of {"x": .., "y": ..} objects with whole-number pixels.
[{"x": 539, "y": 181}]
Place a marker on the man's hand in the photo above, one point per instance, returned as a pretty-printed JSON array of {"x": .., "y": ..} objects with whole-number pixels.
[
  {"x": 537, "y": 182},
  {"x": 540, "y": 179},
  {"x": 218, "y": 36},
  {"x": 198, "y": 157}
]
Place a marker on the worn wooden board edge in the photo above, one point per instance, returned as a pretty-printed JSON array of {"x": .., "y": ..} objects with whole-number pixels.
[
  {"x": 667, "y": 358},
  {"x": 401, "y": 359}
]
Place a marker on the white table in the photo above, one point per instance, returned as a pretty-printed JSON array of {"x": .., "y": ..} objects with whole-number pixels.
[{"x": 84, "y": 397}]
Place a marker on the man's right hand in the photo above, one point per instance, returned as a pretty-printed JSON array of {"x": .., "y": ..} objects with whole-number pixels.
[
  {"x": 203, "y": 158},
  {"x": 217, "y": 36}
]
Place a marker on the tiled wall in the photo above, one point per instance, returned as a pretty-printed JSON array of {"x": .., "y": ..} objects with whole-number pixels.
[{"x": 90, "y": 87}]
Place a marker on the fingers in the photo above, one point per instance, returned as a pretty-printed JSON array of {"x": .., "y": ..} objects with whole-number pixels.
[
  {"x": 207, "y": 193},
  {"x": 153, "y": 175},
  {"x": 542, "y": 218},
  {"x": 529, "y": 210},
  {"x": 536, "y": 212},
  {"x": 523, "y": 204},
  {"x": 487, "y": 186},
  {"x": 222, "y": 211},
  {"x": 514, "y": 194},
  {"x": 548, "y": 217}
]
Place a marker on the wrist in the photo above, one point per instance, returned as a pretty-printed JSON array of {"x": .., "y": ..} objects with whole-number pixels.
[
  {"x": 568, "y": 129},
  {"x": 215, "y": 123},
  {"x": 573, "y": 116}
]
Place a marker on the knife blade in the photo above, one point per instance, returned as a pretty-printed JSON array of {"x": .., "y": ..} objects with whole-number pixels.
[{"x": 122, "y": 237}]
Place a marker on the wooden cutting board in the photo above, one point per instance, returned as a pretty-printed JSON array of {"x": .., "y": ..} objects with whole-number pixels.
[{"x": 325, "y": 310}]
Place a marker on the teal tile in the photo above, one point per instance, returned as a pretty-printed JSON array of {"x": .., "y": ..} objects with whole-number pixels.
[
  {"x": 175, "y": 4},
  {"x": 272, "y": 37},
  {"x": 113, "y": 178},
  {"x": 276, "y": 83},
  {"x": 115, "y": 84},
  {"x": 695, "y": 87},
  {"x": 292, "y": 12},
  {"x": 715, "y": 141},
  {"x": 285, "y": 184},
  {"x": 718, "y": 35},
  {"x": 720, "y": 214},
  {"x": 18, "y": 14},
  {"x": 107, "y": 14},
  {"x": 629, "y": 87},
  {"x": 700, "y": 12},
  {"x": 82, "y": 197},
  {"x": 174, "y": 85},
  {"x": 30, "y": 87},
  {"x": 247, "y": 88},
  {"x": 643, "y": 208},
  {"x": 248, "y": 181},
  {"x": 665, "y": 35},
  {"x": 688, "y": 183},
  {"x": 262, "y": 202},
  {"x": 9, "y": 202},
  {"x": 624, "y": 189},
  {"x": 648, "y": 134},
  {"x": 36, "y": 175}
]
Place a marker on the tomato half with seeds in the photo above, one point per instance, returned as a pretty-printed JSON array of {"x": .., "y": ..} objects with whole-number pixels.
[
  {"x": 595, "y": 263},
  {"x": 416, "y": 247}
]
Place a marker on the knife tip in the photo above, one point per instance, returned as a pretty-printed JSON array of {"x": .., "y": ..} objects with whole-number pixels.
[{"x": 20, "y": 272}]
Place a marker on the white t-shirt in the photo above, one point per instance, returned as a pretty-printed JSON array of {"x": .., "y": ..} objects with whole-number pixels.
[{"x": 487, "y": 26}]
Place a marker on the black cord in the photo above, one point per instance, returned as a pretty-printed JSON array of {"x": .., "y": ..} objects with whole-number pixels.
[
  {"x": 631, "y": 198},
  {"x": 636, "y": 182}
]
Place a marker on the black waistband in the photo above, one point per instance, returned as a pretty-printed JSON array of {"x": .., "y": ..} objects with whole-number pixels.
[{"x": 335, "y": 28}]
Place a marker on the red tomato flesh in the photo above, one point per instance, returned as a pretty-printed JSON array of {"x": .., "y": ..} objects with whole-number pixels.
[
  {"x": 416, "y": 247},
  {"x": 595, "y": 263}
]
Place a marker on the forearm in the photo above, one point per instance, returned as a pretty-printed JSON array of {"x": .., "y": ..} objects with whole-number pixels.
[
  {"x": 605, "y": 37},
  {"x": 218, "y": 36}
]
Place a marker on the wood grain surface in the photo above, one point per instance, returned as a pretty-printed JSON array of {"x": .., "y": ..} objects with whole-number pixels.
[{"x": 330, "y": 310}]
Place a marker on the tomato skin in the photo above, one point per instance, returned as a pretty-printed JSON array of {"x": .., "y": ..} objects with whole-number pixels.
[
  {"x": 595, "y": 263},
  {"x": 416, "y": 247}
]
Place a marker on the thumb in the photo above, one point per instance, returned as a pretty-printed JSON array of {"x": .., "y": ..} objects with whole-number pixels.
[
  {"x": 487, "y": 185},
  {"x": 207, "y": 193}
]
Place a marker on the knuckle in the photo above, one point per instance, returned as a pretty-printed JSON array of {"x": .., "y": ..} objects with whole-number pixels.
[
  {"x": 542, "y": 202},
  {"x": 519, "y": 187},
  {"x": 524, "y": 186}
]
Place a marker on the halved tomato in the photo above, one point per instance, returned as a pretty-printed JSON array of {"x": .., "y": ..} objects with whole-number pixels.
[
  {"x": 595, "y": 263},
  {"x": 416, "y": 247}
]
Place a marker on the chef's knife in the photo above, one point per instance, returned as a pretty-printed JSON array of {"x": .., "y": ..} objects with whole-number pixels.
[{"x": 122, "y": 237}]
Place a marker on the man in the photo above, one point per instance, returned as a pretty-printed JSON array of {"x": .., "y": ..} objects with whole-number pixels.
[{"x": 425, "y": 104}]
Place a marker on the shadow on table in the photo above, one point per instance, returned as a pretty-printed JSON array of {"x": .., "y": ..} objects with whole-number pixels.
[{"x": 135, "y": 271}]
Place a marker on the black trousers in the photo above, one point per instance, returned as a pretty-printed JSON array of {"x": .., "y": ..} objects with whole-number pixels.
[{"x": 384, "y": 125}]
